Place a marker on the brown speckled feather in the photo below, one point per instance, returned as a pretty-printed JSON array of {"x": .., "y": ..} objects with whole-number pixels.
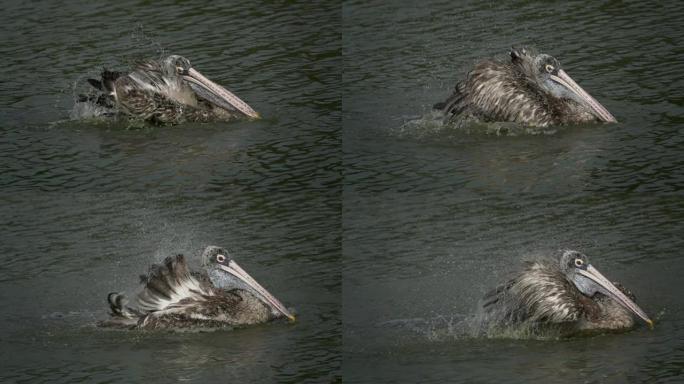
[
  {"x": 160, "y": 92},
  {"x": 511, "y": 91},
  {"x": 174, "y": 297},
  {"x": 540, "y": 297}
]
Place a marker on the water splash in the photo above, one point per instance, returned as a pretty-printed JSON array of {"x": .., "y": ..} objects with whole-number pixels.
[
  {"x": 437, "y": 328},
  {"x": 143, "y": 42},
  {"x": 432, "y": 125},
  {"x": 85, "y": 97},
  {"x": 88, "y": 110}
]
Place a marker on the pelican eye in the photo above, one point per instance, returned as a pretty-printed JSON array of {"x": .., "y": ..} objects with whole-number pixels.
[
  {"x": 220, "y": 258},
  {"x": 549, "y": 68},
  {"x": 579, "y": 262}
]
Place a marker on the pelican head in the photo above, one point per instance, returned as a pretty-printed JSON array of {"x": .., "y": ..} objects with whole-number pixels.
[
  {"x": 176, "y": 66},
  {"x": 546, "y": 72},
  {"x": 226, "y": 274},
  {"x": 588, "y": 280}
]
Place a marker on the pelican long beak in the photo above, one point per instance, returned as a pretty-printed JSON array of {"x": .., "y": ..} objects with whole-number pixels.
[
  {"x": 217, "y": 95},
  {"x": 613, "y": 292},
  {"x": 234, "y": 269},
  {"x": 599, "y": 110}
]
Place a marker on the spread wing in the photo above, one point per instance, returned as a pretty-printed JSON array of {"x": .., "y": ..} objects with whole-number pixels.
[
  {"x": 175, "y": 297},
  {"x": 171, "y": 285}
]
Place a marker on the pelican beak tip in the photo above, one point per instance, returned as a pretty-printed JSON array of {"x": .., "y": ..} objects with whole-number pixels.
[{"x": 650, "y": 324}]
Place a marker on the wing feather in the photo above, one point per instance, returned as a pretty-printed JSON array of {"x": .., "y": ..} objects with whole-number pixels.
[
  {"x": 539, "y": 294},
  {"x": 169, "y": 284}
]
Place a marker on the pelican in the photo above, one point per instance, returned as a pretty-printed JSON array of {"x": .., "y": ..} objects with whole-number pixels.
[
  {"x": 167, "y": 91},
  {"x": 174, "y": 297},
  {"x": 531, "y": 89},
  {"x": 567, "y": 294}
]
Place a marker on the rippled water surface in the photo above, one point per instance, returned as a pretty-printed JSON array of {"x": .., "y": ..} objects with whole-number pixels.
[
  {"x": 433, "y": 218},
  {"x": 348, "y": 200},
  {"x": 86, "y": 206}
]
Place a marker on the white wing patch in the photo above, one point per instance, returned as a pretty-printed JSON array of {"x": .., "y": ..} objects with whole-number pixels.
[{"x": 170, "y": 283}]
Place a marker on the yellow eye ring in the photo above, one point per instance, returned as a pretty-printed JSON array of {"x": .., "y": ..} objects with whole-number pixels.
[
  {"x": 549, "y": 68},
  {"x": 578, "y": 262}
]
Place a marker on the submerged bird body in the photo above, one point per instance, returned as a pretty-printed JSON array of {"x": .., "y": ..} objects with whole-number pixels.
[
  {"x": 530, "y": 89},
  {"x": 173, "y": 297},
  {"x": 167, "y": 91},
  {"x": 570, "y": 296}
]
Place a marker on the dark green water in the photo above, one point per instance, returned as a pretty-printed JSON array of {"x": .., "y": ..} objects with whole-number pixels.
[
  {"x": 433, "y": 218},
  {"x": 87, "y": 207},
  {"x": 381, "y": 227}
]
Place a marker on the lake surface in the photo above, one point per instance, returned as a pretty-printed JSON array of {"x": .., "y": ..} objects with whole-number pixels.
[
  {"x": 349, "y": 200},
  {"x": 87, "y": 206},
  {"x": 434, "y": 217}
]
